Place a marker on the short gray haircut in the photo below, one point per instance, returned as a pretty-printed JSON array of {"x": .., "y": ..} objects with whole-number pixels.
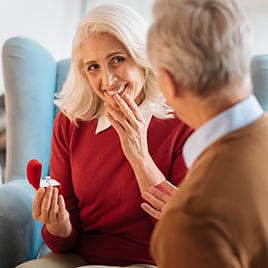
[
  {"x": 77, "y": 100},
  {"x": 204, "y": 44}
]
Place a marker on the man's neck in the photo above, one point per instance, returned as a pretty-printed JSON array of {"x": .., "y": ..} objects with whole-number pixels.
[{"x": 200, "y": 110}]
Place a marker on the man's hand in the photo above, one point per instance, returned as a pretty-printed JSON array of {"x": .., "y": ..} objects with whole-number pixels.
[{"x": 157, "y": 197}]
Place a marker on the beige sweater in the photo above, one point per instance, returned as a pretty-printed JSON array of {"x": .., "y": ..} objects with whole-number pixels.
[{"x": 219, "y": 216}]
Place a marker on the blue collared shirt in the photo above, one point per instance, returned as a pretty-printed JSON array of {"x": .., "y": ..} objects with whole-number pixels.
[{"x": 238, "y": 116}]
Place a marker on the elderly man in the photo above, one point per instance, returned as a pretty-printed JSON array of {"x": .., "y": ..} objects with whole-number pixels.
[{"x": 201, "y": 50}]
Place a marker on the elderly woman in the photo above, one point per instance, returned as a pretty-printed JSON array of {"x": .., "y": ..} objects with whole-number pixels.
[{"x": 114, "y": 138}]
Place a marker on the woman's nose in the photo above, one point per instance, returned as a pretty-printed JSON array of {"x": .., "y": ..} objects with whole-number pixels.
[{"x": 108, "y": 77}]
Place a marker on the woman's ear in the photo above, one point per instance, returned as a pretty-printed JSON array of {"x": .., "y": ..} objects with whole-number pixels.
[{"x": 167, "y": 84}]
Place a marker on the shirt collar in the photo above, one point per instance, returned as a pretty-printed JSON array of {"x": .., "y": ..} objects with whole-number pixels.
[
  {"x": 238, "y": 116},
  {"x": 146, "y": 112}
]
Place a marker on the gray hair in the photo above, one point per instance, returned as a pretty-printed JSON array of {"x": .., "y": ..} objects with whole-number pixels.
[
  {"x": 204, "y": 44},
  {"x": 77, "y": 100}
]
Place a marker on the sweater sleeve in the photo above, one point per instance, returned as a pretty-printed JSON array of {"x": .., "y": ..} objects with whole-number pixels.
[
  {"x": 58, "y": 244},
  {"x": 177, "y": 168},
  {"x": 60, "y": 169}
]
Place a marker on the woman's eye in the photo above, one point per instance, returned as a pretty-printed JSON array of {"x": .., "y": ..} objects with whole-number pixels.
[
  {"x": 92, "y": 67},
  {"x": 118, "y": 59}
]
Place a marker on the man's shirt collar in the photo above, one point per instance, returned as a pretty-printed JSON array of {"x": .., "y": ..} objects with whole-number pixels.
[{"x": 238, "y": 116}]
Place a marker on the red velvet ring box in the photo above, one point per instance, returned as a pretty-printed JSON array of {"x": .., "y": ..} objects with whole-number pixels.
[{"x": 34, "y": 170}]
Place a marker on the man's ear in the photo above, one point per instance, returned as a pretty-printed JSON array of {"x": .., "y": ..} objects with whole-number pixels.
[{"x": 168, "y": 82}]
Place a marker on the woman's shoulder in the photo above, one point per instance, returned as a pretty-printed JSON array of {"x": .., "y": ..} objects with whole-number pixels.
[
  {"x": 65, "y": 124},
  {"x": 170, "y": 131},
  {"x": 62, "y": 120},
  {"x": 169, "y": 123},
  {"x": 171, "y": 127}
]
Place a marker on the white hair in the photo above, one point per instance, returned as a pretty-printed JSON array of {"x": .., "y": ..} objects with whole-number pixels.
[
  {"x": 204, "y": 44},
  {"x": 77, "y": 100}
]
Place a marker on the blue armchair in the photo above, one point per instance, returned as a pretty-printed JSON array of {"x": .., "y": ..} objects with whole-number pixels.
[
  {"x": 31, "y": 77},
  {"x": 259, "y": 75}
]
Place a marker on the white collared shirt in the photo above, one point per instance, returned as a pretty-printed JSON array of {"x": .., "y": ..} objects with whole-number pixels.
[
  {"x": 238, "y": 116},
  {"x": 146, "y": 112}
]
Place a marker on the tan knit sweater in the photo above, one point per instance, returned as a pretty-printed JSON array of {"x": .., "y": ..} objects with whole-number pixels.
[{"x": 219, "y": 216}]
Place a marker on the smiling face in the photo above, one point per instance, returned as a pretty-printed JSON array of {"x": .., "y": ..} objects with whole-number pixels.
[{"x": 110, "y": 69}]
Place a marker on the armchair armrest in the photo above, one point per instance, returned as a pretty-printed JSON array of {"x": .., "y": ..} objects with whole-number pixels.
[{"x": 19, "y": 232}]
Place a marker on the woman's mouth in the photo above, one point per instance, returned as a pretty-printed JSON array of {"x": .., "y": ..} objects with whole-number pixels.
[{"x": 118, "y": 91}]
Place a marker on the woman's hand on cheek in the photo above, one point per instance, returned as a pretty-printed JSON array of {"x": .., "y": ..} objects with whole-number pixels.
[{"x": 130, "y": 126}]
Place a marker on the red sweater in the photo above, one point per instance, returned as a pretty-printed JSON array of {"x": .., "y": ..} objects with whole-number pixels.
[{"x": 101, "y": 192}]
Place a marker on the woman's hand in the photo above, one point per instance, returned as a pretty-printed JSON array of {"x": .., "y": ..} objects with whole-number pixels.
[
  {"x": 157, "y": 197},
  {"x": 49, "y": 208},
  {"x": 130, "y": 126}
]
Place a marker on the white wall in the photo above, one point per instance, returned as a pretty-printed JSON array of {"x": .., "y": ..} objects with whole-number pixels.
[
  {"x": 53, "y": 22},
  {"x": 50, "y": 22},
  {"x": 257, "y": 12},
  {"x": 259, "y": 22},
  {"x": 144, "y": 7}
]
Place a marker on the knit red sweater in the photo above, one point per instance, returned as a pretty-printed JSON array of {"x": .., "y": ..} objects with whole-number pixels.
[{"x": 101, "y": 192}]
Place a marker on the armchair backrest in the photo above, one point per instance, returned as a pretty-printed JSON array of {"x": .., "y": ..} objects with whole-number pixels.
[
  {"x": 31, "y": 78},
  {"x": 259, "y": 75}
]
